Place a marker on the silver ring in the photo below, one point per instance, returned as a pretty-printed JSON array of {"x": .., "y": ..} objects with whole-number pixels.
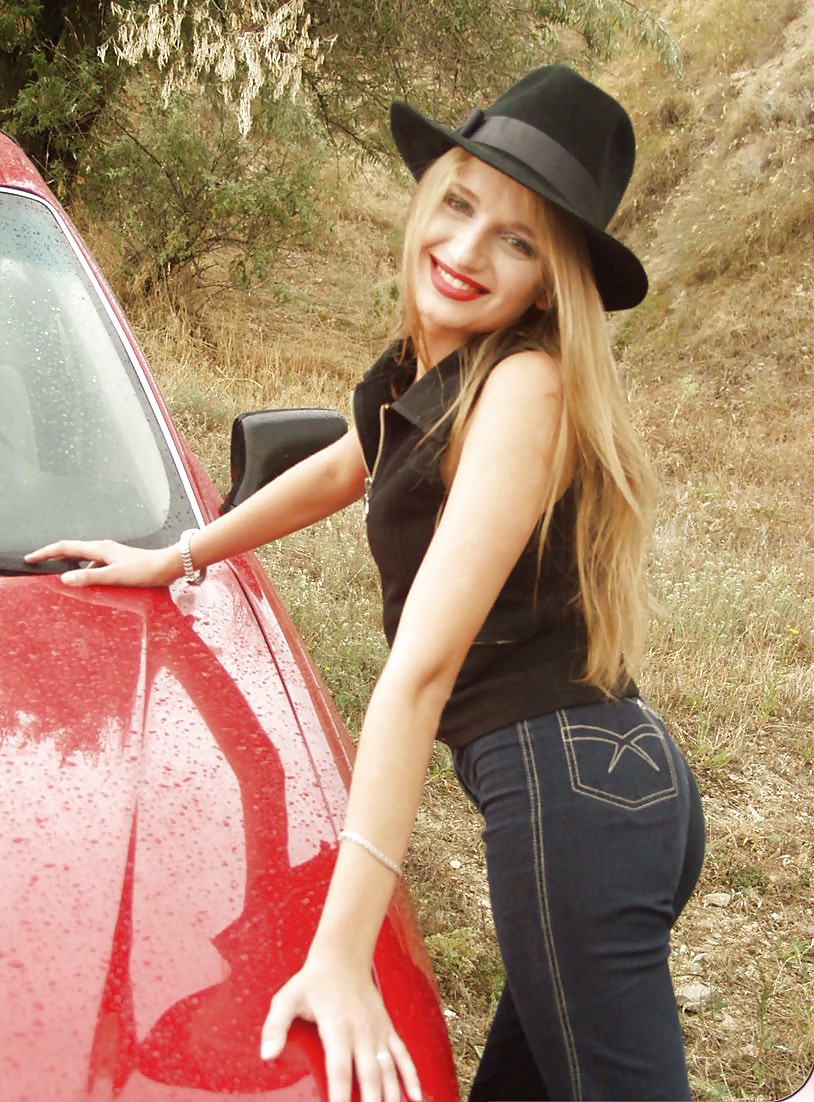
[{"x": 384, "y": 1055}]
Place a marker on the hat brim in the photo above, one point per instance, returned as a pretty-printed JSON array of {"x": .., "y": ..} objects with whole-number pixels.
[{"x": 620, "y": 278}]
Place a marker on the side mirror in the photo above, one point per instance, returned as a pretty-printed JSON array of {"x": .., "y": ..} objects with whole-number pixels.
[{"x": 267, "y": 442}]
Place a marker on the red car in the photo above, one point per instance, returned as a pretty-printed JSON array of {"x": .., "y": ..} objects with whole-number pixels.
[{"x": 173, "y": 775}]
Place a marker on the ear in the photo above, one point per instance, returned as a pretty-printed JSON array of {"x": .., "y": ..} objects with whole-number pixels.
[{"x": 543, "y": 301}]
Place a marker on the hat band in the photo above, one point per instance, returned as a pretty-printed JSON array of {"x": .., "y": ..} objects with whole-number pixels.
[{"x": 548, "y": 159}]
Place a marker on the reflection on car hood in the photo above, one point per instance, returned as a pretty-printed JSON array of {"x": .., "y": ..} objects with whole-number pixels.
[{"x": 165, "y": 846}]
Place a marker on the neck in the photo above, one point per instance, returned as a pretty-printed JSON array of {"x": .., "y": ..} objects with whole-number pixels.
[{"x": 431, "y": 351}]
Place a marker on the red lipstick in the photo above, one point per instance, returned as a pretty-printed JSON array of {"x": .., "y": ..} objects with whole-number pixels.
[{"x": 454, "y": 285}]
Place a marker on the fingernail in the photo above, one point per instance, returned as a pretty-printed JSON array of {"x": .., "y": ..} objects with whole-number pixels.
[{"x": 268, "y": 1050}]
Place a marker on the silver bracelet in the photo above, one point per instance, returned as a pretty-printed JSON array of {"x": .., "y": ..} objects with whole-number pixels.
[
  {"x": 193, "y": 576},
  {"x": 349, "y": 836}
]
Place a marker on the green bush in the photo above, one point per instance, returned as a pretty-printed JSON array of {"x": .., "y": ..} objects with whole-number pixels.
[{"x": 187, "y": 191}]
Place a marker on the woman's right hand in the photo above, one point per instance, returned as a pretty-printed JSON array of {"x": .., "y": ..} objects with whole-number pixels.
[
  {"x": 358, "y": 1037},
  {"x": 111, "y": 563}
]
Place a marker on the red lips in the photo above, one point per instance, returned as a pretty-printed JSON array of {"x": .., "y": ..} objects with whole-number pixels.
[{"x": 453, "y": 284}]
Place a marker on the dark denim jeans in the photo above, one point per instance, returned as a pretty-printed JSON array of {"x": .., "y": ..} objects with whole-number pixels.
[{"x": 594, "y": 839}]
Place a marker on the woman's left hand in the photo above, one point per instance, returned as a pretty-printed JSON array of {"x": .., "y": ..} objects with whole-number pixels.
[{"x": 357, "y": 1035}]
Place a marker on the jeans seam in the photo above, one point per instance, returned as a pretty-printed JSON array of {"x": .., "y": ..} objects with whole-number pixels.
[{"x": 535, "y": 804}]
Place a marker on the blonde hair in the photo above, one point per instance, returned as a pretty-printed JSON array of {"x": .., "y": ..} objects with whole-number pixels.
[{"x": 612, "y": 478}]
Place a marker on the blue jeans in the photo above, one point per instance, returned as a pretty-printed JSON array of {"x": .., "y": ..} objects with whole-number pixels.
[{"x": 594, "y": 840}]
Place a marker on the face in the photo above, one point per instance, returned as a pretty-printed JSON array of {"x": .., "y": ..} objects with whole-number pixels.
[{"x": 479, "y": 265}]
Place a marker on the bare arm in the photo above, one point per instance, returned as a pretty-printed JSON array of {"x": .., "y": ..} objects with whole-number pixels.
[
  {"x": 494, "y": 504},
  {"x": 315, "y": 488}
]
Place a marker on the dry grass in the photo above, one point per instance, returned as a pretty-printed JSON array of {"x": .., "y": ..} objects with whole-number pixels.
[{"x": 719, "y": 366}]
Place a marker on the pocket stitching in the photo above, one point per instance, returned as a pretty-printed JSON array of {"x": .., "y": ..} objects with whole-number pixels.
[{"x": 580, "y": 788}]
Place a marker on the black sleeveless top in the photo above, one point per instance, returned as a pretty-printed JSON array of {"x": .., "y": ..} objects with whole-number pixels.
[{"x": 529, "y": 657}]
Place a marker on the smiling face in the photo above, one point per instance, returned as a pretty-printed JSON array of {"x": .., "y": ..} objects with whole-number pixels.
[{"x": 477, "y": 264}]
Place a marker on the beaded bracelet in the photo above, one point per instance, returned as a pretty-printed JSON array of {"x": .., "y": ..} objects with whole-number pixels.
[{"x": 350, "y": 836}]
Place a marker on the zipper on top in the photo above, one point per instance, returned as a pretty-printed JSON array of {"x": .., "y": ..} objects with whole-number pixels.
[{"x": 371, "y": 474}]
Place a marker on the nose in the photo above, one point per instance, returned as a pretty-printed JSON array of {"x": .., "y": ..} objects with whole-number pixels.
[{"x": 466, "y": 246}]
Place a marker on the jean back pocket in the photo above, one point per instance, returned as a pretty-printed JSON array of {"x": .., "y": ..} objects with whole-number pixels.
[{"x": 629, "y": 764}]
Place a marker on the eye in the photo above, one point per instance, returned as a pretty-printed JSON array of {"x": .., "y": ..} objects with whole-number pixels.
[
  {"x": 456, "y": 202},
  {"x": 520, "y": 245}
]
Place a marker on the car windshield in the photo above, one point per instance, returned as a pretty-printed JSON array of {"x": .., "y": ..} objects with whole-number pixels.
[{"x": 81, "y": 452}]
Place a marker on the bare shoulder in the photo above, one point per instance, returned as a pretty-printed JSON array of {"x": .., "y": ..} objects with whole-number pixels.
[
  {"x": 518, "y": 410},
  {"x": 524, "y": 387},
  {"x": 529, "y": 376}
]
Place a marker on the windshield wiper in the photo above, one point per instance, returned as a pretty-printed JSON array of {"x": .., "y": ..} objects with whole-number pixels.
[{"x": 11, "y": 565}]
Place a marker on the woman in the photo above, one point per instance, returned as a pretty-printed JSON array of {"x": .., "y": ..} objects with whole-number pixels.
[{"x": 508, "y": 513}]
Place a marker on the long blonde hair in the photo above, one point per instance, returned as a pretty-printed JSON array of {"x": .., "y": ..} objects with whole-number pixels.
[{"x": 612, "y": 479}]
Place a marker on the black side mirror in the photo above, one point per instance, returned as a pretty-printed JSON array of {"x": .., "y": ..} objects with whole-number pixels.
[{"x": 267, "y": 442}]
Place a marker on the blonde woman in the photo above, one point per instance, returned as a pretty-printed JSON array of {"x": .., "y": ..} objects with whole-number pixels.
[{"x": 508, "y": 512}]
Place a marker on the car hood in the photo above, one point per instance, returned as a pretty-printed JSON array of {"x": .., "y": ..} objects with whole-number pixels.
[{"x": 165, "y": 848}]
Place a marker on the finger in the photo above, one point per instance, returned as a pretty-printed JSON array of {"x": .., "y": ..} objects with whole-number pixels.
[
  {"x": 375, "y": 1074},
  {"x": 51, "y": 551},
  {"x": 391, "y": 1091},
  {"x": 66, "y": 549},
  {"x": 338, "y": 1069},
  {"x": 274, "y": 1033},
  {"x": 406, "y": 1068},
  {"x": 92, "y": 574}
]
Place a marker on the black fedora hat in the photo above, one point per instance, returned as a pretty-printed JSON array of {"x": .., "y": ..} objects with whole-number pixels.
[{"x": 564, "y": 138}]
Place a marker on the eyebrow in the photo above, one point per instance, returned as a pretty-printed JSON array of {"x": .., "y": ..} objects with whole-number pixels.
[{"x": 519, "y": 227}]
